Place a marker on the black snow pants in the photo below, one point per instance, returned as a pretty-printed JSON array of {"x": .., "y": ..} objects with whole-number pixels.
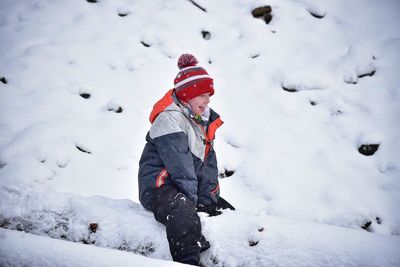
[{"x": 178, "y": 213}]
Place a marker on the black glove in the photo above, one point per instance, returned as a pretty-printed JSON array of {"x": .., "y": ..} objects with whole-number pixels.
[
  {"x": 211, "y": 209},
  {"x": 214, "y": 209},
  {"x": 223, "y": 204}
]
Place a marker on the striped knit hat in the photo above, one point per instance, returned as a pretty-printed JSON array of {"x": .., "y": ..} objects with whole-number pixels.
[{"x": 192, "y": 80}]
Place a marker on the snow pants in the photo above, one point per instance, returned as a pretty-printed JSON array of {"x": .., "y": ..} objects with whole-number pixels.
[{"x": 178, "y": 213}]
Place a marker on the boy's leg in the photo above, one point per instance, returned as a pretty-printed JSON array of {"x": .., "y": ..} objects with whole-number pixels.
[{"x": 183, "y": 226}]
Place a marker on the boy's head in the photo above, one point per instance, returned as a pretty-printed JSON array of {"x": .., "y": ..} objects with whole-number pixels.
[{"x": 192, "y": 80}]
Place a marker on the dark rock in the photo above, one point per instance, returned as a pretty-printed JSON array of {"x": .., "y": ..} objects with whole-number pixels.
[
  {"x": 368, "y": 149},
  {"x": 206, "y": 35},
  {"x": 253, "y": 243},
  {"x": 318, "y": 16},
  {"x": 115, "y": 109},
  {"x": 267, "y": 18},
  {"x": 145, "y": 44},
  {"x": 313, "y": 103},
  {"x": 263, "y": 13},
  {"x": 82, "y": 150},
  {"x": 366, "y": 226},
  {"x": 123, "y": 14},
  {"x": 378, "y": 220},
  {"x": 91, "y": 1},
  {"x": 3, "y": 80},
  {"x": 255, "y": 56},
  {"x": 292, "y": 90},
  {"x": 367, "y": 74},
  {"x": 261, "y": 229},
  {"x": 85, "y": 95},
  {"x": 227, "y": 173},
  {"x": 93, "y": 227}
]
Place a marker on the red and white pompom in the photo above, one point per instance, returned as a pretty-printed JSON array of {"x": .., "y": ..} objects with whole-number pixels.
[{"x": 186, "y": 60}]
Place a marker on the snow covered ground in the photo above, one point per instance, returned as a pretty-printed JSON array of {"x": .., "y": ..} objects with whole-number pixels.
[
  {"x": 300, "y": 97},
  {"x": 21, "y": 249}
]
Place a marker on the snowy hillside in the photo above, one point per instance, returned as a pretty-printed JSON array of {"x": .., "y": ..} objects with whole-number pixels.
[{"x": 309, "y": 152}]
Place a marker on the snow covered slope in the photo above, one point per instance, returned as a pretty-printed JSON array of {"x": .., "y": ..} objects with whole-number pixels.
[
  {"x": 304, "y": 98},
  {"x": 238, "y": 238}
]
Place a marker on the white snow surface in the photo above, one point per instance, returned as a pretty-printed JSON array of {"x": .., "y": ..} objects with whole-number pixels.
[
  {"x": 22, "y": 249},
  {"x": 299, "y": 96}
]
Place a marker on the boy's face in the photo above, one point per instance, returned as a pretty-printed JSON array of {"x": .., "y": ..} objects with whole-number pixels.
[{"x": 199, "y": 103}]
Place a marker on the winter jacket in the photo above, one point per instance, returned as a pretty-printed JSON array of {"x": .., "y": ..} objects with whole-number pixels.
[{"x": 179, "y": 151}]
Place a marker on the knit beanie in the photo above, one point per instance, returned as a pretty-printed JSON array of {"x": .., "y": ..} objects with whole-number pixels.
[{"x": 192, "y": 80}]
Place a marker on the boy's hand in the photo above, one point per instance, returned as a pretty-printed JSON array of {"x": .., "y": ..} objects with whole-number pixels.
[
  {"x": 211, "y": 209},
  {"x": 214, "y": 209},
  {"x": 223, "y": 204}
]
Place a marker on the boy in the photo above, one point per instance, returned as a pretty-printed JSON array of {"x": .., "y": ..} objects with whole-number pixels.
[{"x": 178, "y": 174}]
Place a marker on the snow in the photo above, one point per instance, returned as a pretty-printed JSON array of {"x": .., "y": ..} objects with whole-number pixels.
[
  {"x": 281, "y": 242},
  {"x": 299, "y": 96},
  {"x": 22, "y": 249}
]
